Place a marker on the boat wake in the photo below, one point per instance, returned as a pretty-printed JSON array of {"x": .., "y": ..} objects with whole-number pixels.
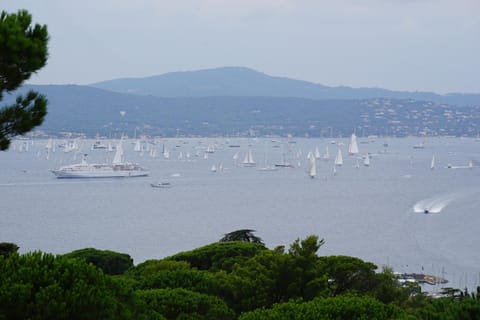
[{"x": 435, "y": 204}]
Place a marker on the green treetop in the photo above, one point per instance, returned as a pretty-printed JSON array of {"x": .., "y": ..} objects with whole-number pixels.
[{"x": 23, "y": 51}]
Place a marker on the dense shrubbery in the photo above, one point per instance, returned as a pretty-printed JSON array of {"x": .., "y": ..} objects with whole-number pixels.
[{"x": 224, "y": 280}]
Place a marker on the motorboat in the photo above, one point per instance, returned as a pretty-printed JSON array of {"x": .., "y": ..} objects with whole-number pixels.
[
  {"x": 99, "y": 145},
  {"x": 161, "y": 185}
]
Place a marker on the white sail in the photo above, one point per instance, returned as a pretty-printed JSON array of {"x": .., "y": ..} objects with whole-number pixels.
[
  {"x": 137, "y": 146},
  {"x": 366, "y": 161},
  {"x": 118, "y": 158},
  {"x": 248, "y": 161},
  {"x": 166, "y": 153},
  {"x": 317, "y": 153},
  {"x": 339, "y": 158},
  {"x": 326, "y": 155},
  {"x": 432, "y": 164},
  {"x": 210, "y": 148},
  {"x": 353, "y": 146},
  {"x": 312, "y": 172},
  {"x": 50, "y": 144},
  {"x": 214, "y": 168},
  {"x": 153, "y": 151}
]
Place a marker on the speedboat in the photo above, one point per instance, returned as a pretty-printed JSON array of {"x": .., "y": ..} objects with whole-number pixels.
[
  {"x": 99, "y": 145},
  {"x": 161, "y": 185}
]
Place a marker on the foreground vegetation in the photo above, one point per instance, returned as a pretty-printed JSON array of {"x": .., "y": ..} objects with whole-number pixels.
[{"x": 225, "y": 280}]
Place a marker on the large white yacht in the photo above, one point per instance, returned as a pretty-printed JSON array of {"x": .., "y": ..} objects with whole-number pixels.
[{"x": 118, "y": 168}]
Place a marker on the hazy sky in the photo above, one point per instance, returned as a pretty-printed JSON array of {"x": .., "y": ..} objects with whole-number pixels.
[{"x": 425, "y": 45}]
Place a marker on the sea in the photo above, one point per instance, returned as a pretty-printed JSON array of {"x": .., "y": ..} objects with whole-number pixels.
[{"x": 375, "y": 212}]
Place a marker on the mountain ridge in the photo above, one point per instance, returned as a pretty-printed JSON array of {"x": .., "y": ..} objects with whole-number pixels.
[
  {"x": 93, "y": 111},
  {"x": 242, "y": 81}
]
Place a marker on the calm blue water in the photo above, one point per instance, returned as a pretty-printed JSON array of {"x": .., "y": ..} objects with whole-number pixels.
[{"x": 367, "y": 212}]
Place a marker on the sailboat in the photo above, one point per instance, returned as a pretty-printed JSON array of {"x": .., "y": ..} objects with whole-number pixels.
[
  {"x": 235, "y": 158},
  {"x": 326, "y": 155},
  {"x": 138, "y": 146},
  {"x": 266, "y": 166},
  {"x": 353, "y": 146},
  {"x": 210, "y": 148},
  {"x": 317, "y": 153},
  {"x": 366, "y": 161},
  {"x": 312, "y": 171},
  {"x": 432, "y": 164},
  {"x": 339, "y": 158},
  {"x": 248, "y": 161},
  {"x": 166, "y": 153},
  {"x": 284, "y": 163}
]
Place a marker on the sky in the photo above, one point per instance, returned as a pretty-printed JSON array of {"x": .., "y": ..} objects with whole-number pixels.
[{"x": 414, "y": 45}]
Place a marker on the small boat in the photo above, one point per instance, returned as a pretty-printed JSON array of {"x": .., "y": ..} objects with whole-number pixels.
[
  {"x": 353, "y": 146},
  {"x": 266, "y": 166},
  {"x": 326, "y": 155},
  {"x": 317, "y": 153},
  {"x": 284, "y": 163},
  {"x": 98, "y": 145},
  {"x": 312, "y": 171},
  {"x": 161, "y": 185},
  {"x": 339, "y": 158},
  {"x": 248, "y": 161},
  {"x": 366, "y": 160},
  {"x": 419, "y": 146}
]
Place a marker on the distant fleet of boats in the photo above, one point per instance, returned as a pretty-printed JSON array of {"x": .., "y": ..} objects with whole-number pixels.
[{"x": 121, "y": 168}]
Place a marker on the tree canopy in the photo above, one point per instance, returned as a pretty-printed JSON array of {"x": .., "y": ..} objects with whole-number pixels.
[
  {"x": 221, "y": 281},
  {"x": 109, "y": 261},
  {"x": 23, "y": 51},
  {"x": 245, "y": 235}
]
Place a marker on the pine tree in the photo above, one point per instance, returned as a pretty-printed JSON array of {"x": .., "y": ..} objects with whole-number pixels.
[{"x": 23, "y": 51}]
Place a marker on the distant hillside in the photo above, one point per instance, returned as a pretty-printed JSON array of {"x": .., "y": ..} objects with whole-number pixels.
[
  {"x": 239, "y": 81},
  {"x": 94, "y": 111}
]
